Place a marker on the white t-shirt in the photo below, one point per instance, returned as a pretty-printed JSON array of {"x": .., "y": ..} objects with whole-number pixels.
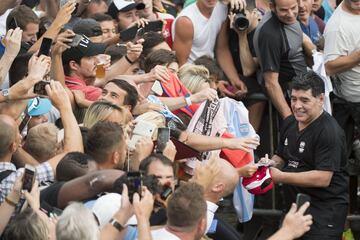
[
  {"x": 3, "y": 22},
  {"x": 342, "y": 39},
  {"x": 163, "y": 234},
  {"x": 205, "y": 29}
]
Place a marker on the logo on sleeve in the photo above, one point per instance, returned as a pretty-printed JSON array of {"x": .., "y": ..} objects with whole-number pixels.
[
  {"x": 302, "y": 147},
  {"x": 286, "y": 142}
]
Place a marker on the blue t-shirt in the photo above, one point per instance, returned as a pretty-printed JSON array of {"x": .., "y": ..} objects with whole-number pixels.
[{"x": 311, "y": 30}]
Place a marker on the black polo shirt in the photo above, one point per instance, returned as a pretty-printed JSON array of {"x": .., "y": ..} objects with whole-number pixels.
[
  {"x": 279, "y": 49},
  {"x": 320, "y": 146}
]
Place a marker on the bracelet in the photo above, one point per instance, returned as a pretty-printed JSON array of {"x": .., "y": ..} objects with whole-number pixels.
[
  {"x": 116, "y": 224},
  {"x": 129, "y": 61},
  {"x": 188, "y": 100},
  {"x": 10, "y": 202}
]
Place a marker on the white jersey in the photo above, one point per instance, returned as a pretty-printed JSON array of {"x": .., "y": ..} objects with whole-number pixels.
[{"x": 205, "y": 29}]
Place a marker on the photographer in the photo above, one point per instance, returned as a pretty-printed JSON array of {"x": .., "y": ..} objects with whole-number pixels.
[{"x": 240, "y": 38}]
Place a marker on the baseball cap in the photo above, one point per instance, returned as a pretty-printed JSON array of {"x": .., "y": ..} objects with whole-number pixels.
[
  {"x": 38, "y": 106},
  {"x": 106, "y": 206},
  {"x": 88, "y": 27},
  {"x": 123, "y": 6},
  {"x": 260, "y": 182},
  {"x": 85, "y": 48}
]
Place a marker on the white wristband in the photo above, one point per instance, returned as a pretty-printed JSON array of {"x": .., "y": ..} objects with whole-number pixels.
[{"x": 188, "y": 100}]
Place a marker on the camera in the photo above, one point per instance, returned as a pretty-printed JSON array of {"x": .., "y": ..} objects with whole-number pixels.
[{"x": 240, "y": 21}]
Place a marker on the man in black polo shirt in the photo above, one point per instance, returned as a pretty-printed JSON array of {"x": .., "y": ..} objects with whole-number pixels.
[
  {"x": 312, "y": 157},
  {"x": 278, "y": 45}
]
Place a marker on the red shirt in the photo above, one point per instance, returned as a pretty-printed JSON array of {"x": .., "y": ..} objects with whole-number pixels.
[{"x": 92, "y": 93}]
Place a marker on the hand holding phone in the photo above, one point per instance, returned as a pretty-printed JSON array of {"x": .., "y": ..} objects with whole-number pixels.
[
  {"x": 134, "y": 184},
  {"x": 302, "y": 198},
  {"x": 45, "y": 47},
  {"x": 39, "y": 88}
]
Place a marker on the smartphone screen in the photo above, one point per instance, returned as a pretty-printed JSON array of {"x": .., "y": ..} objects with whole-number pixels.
[
  {"x": 13, "y": 23},
  {"x": 28, "y": 178},
  {"x": 162, "y": 139},
  {"x": 39, "y": 88},
  {"x": 302, "y": 198},
  {"x": 128, "y": 34},
  {"x": 45, "y": 47},
  {"x": 134, "y": 184},
  {"x": 154, "y": 26}
]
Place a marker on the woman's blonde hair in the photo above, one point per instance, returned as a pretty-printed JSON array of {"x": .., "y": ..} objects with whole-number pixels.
[
  {"x": 193, "y": 76},
  {"x": 154, "y": 117},
  {"x": 101, "y": 110}
]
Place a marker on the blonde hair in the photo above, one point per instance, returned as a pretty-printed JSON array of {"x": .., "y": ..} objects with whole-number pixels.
[
  {"x": 193, "y": 76},
  {"x": 101, "y": 110},
  {"x": 154, "y": 117},
  {"x": 41, "y": 141}
]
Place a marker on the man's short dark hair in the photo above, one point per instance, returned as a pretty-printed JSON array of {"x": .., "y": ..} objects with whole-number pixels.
[
  {"x": 101, "y": 17},
  {"x": 144, "y": 165},
  {"x": 72, "y": 165},
  {"x": 116, "y": 52},
  {"x": 158, "y": 57},
  {"x": 66, "y": 66},
  {"x": 132, "y": 96},
  {"x": 186, "y": 206},
  {"x": 23, "y": 16},
  {"x": 103, "y": 139},
  {"x": 151, "y": 39},
  {"x": 309, "y": 80}
]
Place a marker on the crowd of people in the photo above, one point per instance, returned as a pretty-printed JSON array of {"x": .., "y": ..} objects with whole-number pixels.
[{"x": 134, "y": 119}]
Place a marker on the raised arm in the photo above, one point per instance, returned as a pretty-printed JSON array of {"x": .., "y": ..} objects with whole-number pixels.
[
  {"x": 72, "y": 135},
  {"x": 87, "y": 186},
  {"x": 11, "y": 41}
]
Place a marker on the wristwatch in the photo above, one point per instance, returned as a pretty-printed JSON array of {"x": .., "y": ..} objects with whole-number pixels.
[
  {"x": 116, "y": 224},
  {"x": 188, "y": 99},
  {"x": 5, "y": 93}
]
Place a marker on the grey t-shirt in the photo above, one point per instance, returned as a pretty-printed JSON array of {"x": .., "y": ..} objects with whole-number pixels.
[
  {"x": 279, "y": 49},
  {"x": 342, "y": 38}
]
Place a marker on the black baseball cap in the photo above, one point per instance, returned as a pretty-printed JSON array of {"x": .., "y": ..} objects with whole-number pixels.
[
  {"x": 85, "y": 48},
  {"x": 88, "y": 27}
]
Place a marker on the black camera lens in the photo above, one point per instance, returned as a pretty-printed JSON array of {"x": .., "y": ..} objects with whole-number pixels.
[{"x": 241, "y": 22}]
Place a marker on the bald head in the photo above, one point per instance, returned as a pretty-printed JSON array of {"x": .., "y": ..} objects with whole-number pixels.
[
  {"x": 7, "y": 134},
  {"x": 228, "y": 176}
]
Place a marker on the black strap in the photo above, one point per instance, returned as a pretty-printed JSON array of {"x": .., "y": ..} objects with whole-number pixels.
[{"x": 5, "y": 174}]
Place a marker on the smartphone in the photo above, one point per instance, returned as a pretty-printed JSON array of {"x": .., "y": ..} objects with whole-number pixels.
[
  {"x": 13, "y": 23},
  {"x": 134, "y": 184},
  {"x": 45, "y": 47},
  {"x": 139, "y": 34},
  {"x": 162, "y": 139},
  {"x": 39, "y": 88},
  {"x": 28, "y": 178},
  {"x": 63, "y": 2},
  {"x": 76, "y": 40},
  {"x": 154, "y": 26},
  {"x": 128, "y": 34},
  {"x": 142, "y": 129},
  {"x": 302, "y": 198},
  {"x": 157, "y": 88}
]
